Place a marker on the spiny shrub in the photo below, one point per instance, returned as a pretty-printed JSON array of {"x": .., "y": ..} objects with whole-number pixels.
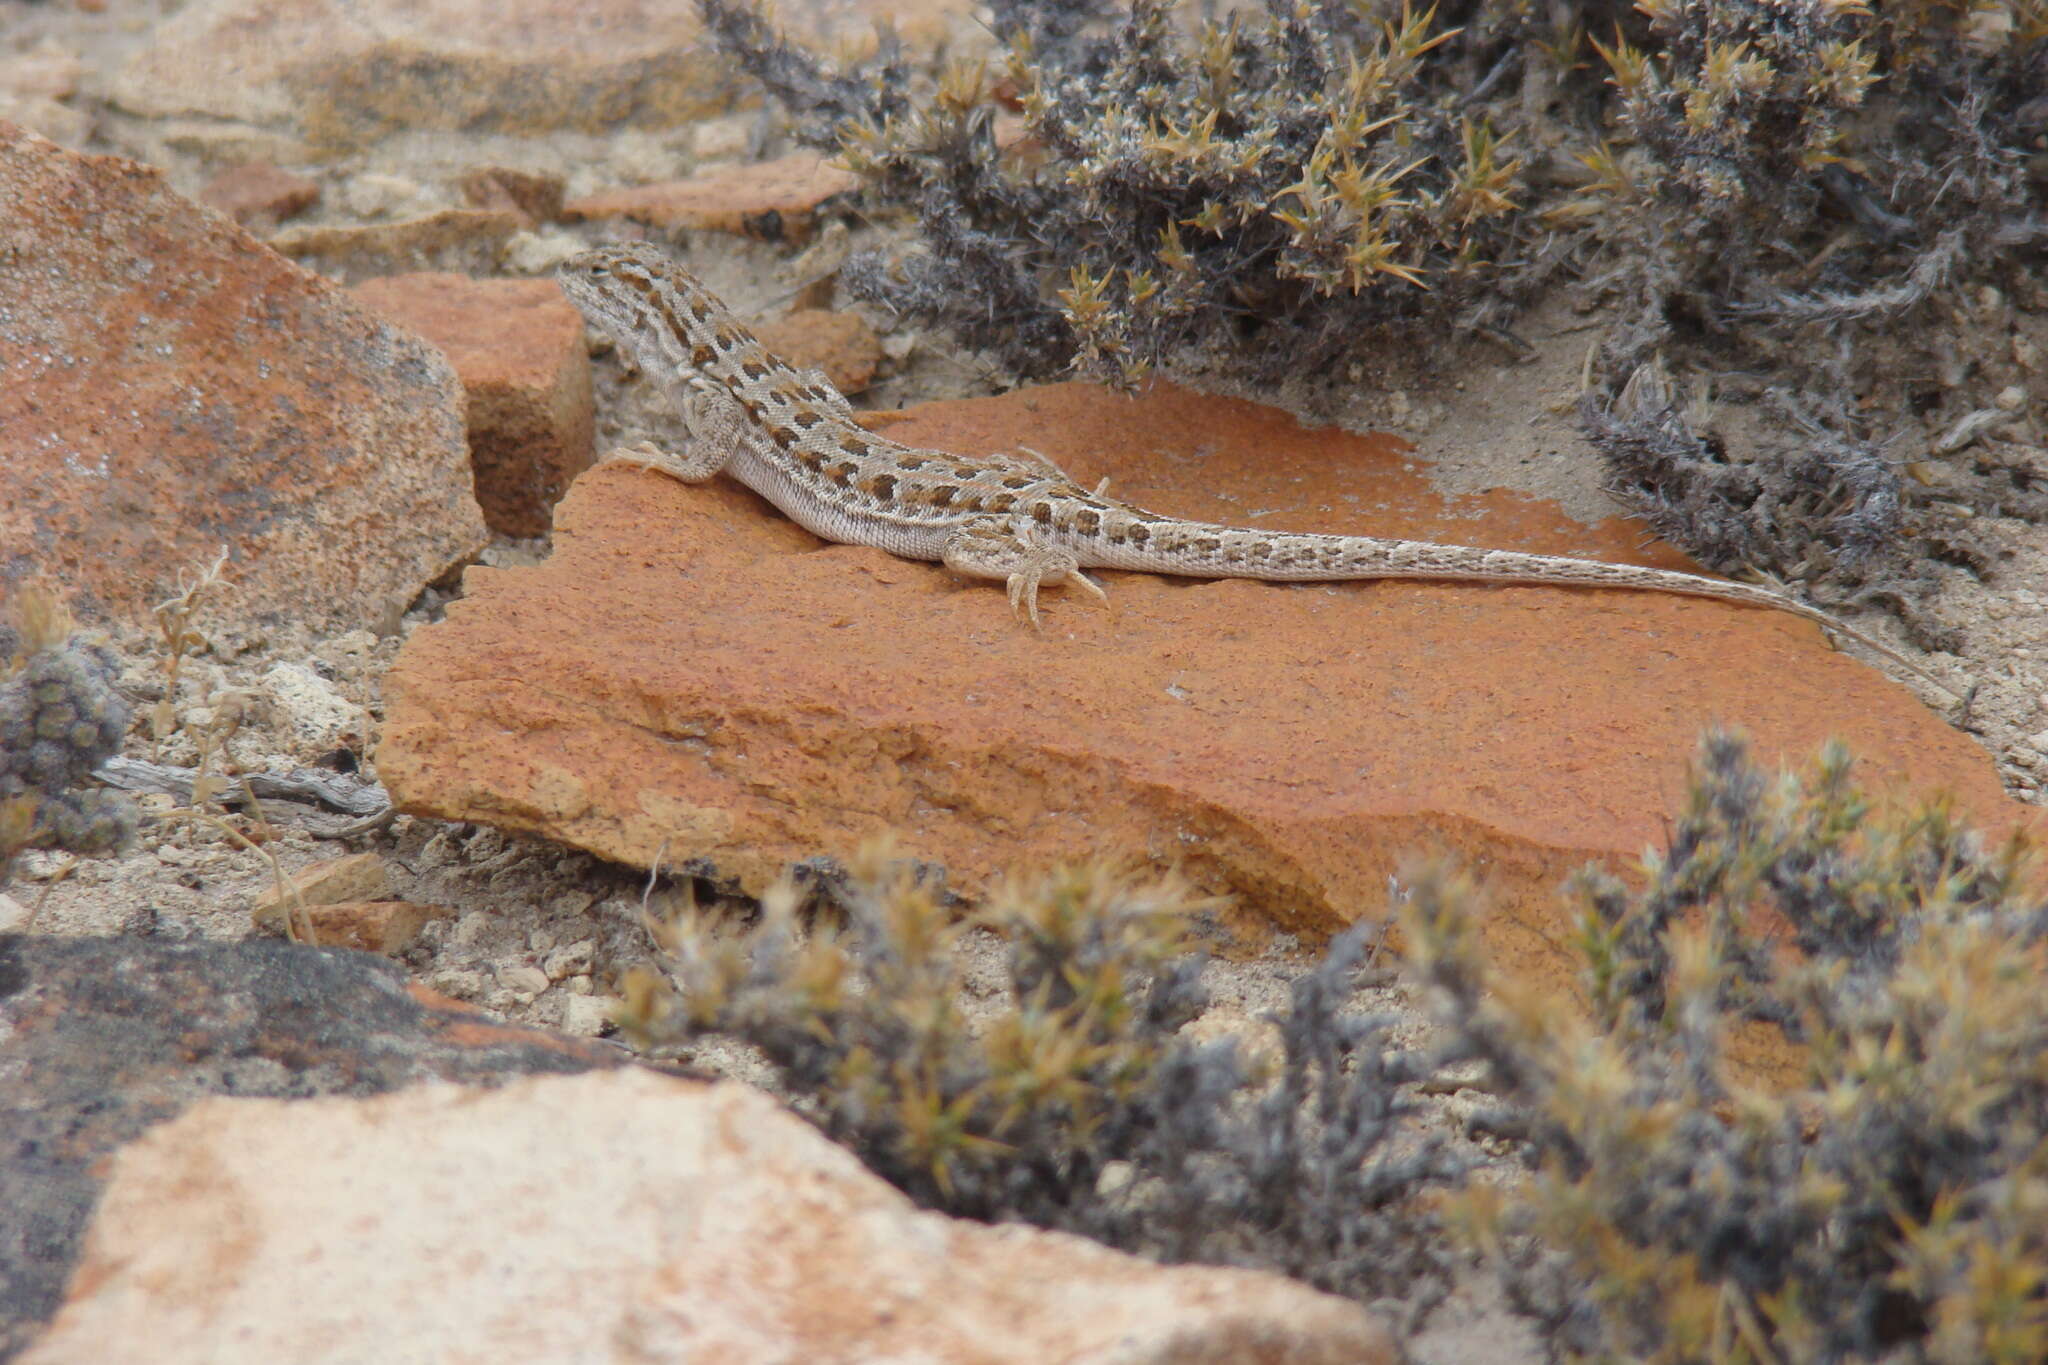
[
  {"x": 1891, "y": 1204},
  {"x": 1779, "y": 186},
  {"x": 1262, "y": 187},
  {"x": 1081, "y": 1106},
  {"x": 60, "y": 718}
]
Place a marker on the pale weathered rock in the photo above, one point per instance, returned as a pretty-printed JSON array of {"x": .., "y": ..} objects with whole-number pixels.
[
  {"x": 840, "y": 344},
  {"x": 259, "y": 193},
  {"x": 517, "y": 346},
  {"x": 33, "y": 86},
  {"x": 169, "y": 388},
  {"x": 775, "y": 201},
  {"x": 465, "y": 240},
  {"x": 59, "y": 122},
  {"x": 622, "y": 1218},
  {"x": 316, "y": 717},
  {"x": 345, "y": 72},
  {"x": 102, "y": 1038},
  {"x": 692, "y": 672},
  {"x": 50, "y": 72}
]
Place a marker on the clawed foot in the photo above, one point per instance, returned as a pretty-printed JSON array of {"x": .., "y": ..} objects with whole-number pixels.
[
  {"x": 1046, "y": 567},
  {"x": 706, "y": 458},
  {"x": 1018, "y": 558},
  {"x": 643, "y": 455}
]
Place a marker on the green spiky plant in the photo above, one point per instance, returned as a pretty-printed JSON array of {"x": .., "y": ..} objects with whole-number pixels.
[
  {"x": 1890, "y": 1202},
  {"x": 1080, "y": 1105}
]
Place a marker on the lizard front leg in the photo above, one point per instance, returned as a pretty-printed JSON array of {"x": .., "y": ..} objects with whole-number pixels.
[
  {"x": 992, "y": 548},
  {"x": 716, "y": 427}
]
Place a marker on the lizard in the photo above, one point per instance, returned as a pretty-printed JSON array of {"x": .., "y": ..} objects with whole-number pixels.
[{"x": 791, "y": 436}]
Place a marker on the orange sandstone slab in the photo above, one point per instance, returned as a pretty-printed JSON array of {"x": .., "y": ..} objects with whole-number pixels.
[
  {"x": 170, "y": 388},
  {"x": 773, "y": 201},
  {"x": 517, "y": 346},
  {"x": 693, "y": 672}
]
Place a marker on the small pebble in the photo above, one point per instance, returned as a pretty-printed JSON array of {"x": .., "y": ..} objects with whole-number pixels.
[
  {"x": 523, "y": 981},
  {"x": 584, "y": 1016}
]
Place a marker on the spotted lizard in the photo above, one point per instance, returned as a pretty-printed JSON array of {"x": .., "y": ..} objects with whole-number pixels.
[{"x": 791, "y": 437}]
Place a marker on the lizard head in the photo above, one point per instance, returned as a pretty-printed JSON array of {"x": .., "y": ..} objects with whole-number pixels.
[{"x": 633, "y": 292}]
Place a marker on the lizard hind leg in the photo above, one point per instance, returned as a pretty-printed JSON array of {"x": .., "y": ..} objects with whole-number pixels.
[{"x": 993, "y": 549}]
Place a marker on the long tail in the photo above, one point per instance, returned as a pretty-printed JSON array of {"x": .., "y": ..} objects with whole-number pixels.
[{"x": 1199, "y": 550}]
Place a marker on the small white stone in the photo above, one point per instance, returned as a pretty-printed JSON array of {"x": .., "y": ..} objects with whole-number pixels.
[
  {"x": 536, "y": 253},
  {"x": 2039, "y": 742},
  {"x": 470, "y": 929},
  {"x": 374, "y": 194},
  {"x": 2011, "y": 398},
  {"x": 45, "y": 864},
  {"x": 723, "y": 139},
  {"x": 175, "y": 855},
  {"x": 13, "y": 914},
  {"x": 523, "y": 981},
  {"x": 1115, "y": 1178},
  {"x": 2026, "y": 353},
  {"x": 584, "y": 1016},
  {"x": 316, "y": 716},
  {"x": 457, "y": 983},
  {"x": 570, "y": 960}
]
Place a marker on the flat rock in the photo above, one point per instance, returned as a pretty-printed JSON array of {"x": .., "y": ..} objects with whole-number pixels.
[
  {"x": 257, "y": 192},
  {"x": 387, "y": 927},
  {"x": 772, "y": 201},
  {"x": 342, "y": 73},
  {"x": 102, "y": 1038},
  {"x": 517, "y": 346},
  {"x": 842, "y": 345},
  {"x": 468, "y": 241},
  {"x": 169, "y": 387},
  {"x": 693, "y": 672},
  {"x": 535, "y": 197},
  {"x": 621, "y": 1218},
  {"x": 33, "y": 86}
]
